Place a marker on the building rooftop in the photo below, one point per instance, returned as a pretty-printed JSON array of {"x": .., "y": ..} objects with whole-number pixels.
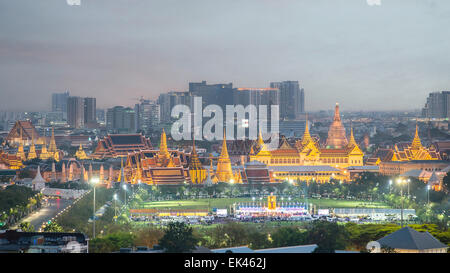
[{"x": 409, "y": 238}]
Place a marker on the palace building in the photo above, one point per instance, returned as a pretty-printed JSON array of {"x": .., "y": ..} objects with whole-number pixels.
[
  {"x": 404, "y": 151},
  {"x": 338, "y": 152}
]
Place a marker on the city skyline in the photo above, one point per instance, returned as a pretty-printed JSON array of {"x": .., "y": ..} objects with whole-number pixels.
[{"x": 98, "y": 49}]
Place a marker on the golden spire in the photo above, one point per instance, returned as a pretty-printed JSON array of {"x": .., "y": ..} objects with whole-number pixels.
[
  {"x": 306, "y": 135},
  {"x": 260, "y": 139},
  {"x": 224, "y": 172},
  {"x": 196, "y": 170},
  {"x": 337, "y": 116},
  {"x": 163, "y": 150},
  {"x": 32, "y": 153},
  {"x": 52, "y": 147},
  {"x": 416, "y": 143},
  {"x": 44, "y": 153},
  {"x": 224, "y": 152},
  {"x": 21, "y": 153},
  {"x": 352, "y": 141}
]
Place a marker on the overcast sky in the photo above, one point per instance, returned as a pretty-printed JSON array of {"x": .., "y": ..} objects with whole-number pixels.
[{"x": 364, "y": 57}]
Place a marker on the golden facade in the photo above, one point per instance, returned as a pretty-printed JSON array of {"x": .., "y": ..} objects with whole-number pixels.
[{"x": 308, "y": 151}]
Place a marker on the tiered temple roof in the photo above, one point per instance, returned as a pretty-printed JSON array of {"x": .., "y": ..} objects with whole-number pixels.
[{"x": 119, "y": 145}]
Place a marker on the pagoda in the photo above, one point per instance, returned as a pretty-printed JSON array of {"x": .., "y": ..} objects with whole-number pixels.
[
  {"x": 196, "y": 170},
  {"x": 32, "y": 153},
  {"x": 224, "y": 172},
  {"x": 336, "y": 134},
  {"x": 80, "y": 154},
  {"x": 44, "y": 152},
  {"x": 52, "y": 149}
]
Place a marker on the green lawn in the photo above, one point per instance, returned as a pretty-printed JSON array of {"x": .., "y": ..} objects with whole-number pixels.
[{"x": 226, "y": 202}]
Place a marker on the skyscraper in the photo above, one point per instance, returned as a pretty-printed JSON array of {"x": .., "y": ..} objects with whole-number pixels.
[
  {"x": 75, "y": 112},
  {"x": 90, "y": 112},
  {"x": 147, "y": 114},
  {"x": 121, "y": 119},
  {"x": 292, "y": 99},
  {"x": 59, "y": 102},
  {"x": 437, "y": 105}
]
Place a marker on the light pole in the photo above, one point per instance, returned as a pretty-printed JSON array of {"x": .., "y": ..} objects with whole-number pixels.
[
  {"x": 390, "y": 186},
  {"x": 125, "y": 192},
  {"x": 428, "y": 195},
  {"x": 94, "y": 182},
  {"x": 115, "y": 206},
  {"x": 401, "y": 182},
  {"x": 408, "y": 181}
]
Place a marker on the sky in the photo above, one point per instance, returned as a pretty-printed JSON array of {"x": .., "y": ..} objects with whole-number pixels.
[{"x": 365, "y": 54}]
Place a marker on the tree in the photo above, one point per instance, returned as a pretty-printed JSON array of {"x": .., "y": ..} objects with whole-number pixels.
[
  {"x": 178, "y": 238},
  {"x": 446, "y": 182},
  {"x": 287, "y": 236},
  {"x": 53, "y": 227},
  {"x": 328, "y": 236},
  {"x": 148, "y": 237},
  {"x": 26, "y": 227}
]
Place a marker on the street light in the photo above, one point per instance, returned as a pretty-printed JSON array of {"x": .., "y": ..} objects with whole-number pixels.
[
  {"x": 125, "y": 192},
  {"x": 401, "y": 182},
  {"x": 428, "y": 195},
  {"x": 94, "y": 182},
  {"x": 115, "y": 206},
  {"x": 390, "y": 186}
]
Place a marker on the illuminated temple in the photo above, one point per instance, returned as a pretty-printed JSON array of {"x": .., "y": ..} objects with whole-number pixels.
[
  {"x": 405, "y": 151},
  {"x": 24, "y": 134},
  {"x": 119, "y": 145},
  {"x": 337, "y": 152}
]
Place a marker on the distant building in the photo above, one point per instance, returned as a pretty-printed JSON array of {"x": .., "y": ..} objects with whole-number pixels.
[
  {"x": 168, "y": 100},
  {"x": 148, "y": 115},
  {"x": 292, "y": 99},
  {"x": 75, "y": 112},
  {"x": 90, "y": 112},
  {"x": 121, "y": 119},
  {"x": 59, "y": 102},
  {"x": 220, "y": 94},
  {"x": 437, "y": 105}
]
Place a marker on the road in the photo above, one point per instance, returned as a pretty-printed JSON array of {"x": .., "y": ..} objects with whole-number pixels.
[{"x": 47, "y": 212}]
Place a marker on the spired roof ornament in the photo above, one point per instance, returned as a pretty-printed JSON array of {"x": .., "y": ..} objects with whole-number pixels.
[
  {"x": 32, "y": 153},
  {"x": 306, "y": 135},
  {"x": 262, "y": 146},
  {"x": 224, "y": 172},
  {"x": 336, "y": 134},
  {"x": 416, "y": 143},
  {"x": 38, "y": 178}
]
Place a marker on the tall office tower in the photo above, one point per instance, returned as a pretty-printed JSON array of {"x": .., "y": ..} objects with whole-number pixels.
[
  {"x": 90, "y": 112},
  {"x": 120, "y": 119},
  {"x": 437, "y": 105},
  {"x": 220, "y": 94},
  {"x": 75, "y": 112},
  {"x": 147, "y": 115},
  {"x": 292, "y": 99},
  {"x": 59, "y": 102},
  {"x": 169, "y": 100},
  {"x": 257, "y": 97},
  {"x": 100, "y": 115}
]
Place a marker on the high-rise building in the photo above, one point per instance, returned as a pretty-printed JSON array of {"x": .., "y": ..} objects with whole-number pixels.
[
  {"x": 292, "y": 99},
  {"x": 121, "y": 119},
  {"x": 75, "y": 112},
  {"x": 169, "y": 100},
  {"x": 90, "y": 112},
  {"x": 59, "y": 102},
  {"x": 437, "y": 105},
  {"x": 147, "y": 114},
  {"x": 220, "y": 94}
]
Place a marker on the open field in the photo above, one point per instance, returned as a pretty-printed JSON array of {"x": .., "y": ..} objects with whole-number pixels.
[{"x": 226, "y": 202}]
